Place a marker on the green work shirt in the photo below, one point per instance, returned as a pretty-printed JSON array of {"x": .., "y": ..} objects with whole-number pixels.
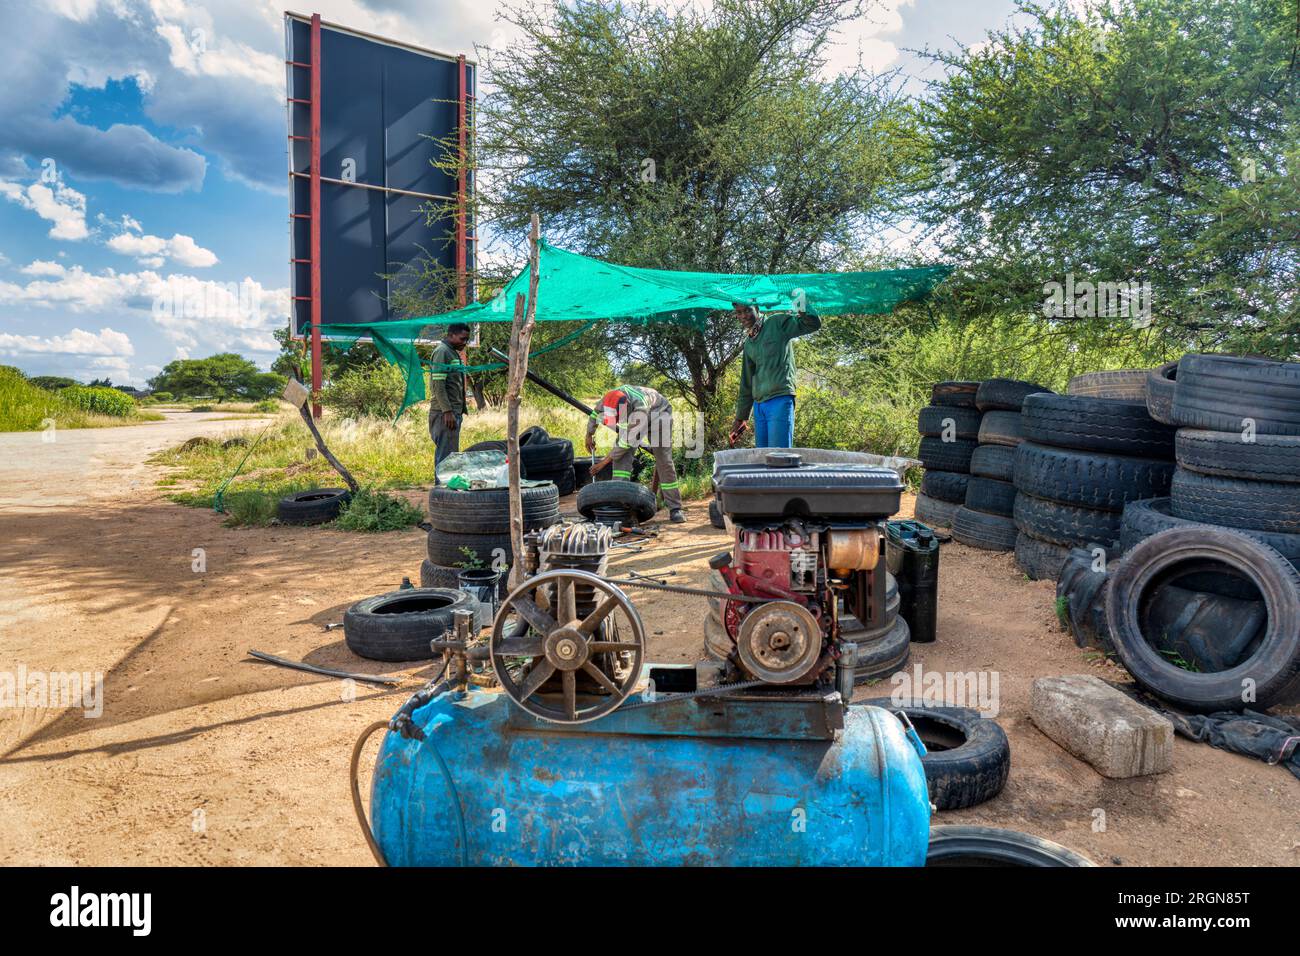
[
  {"x": 448, "y": 392},
  {"x": 767, "y": 359}
]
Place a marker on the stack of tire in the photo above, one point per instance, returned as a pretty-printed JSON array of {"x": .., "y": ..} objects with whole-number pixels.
[
  {"x": 541, "y": 457},
  {"x": 985, "y": 519},
  {"x": 1083, "y": 459},
  {"x": 949, "y": 428},
  {"x": 472, "y": 529}
]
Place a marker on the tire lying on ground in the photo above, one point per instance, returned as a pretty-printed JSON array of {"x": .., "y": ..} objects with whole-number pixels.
[
  {"x": 1272, "y": 668},
  {"x": 980, "y": 530},
  {"x": 1040, "y": 560},
  {"x": 1224, "y": 392},
  {"x": 1067, "y": 525},
  {"x": 487, "y": 510},
  {"x": 1081, "y": 588},
  {"x": 1090, "y": 479},
  {"x": 1142, "y": 519},
  {"x": 945, "y": 485},
  {"x": 398, "y": 626},
  {"x": 943, "y": 455},
  {"x": 954, "y": 394},
  {"x": 1125, "y": 385},
  {"x": 638, "y": 499},
  {"x": 1006, "y": 394},
  {"x": 1160, "y": 386},
  {"x": 990, "y": 496},
  {"x": 990, "y": 846},
  {"x": 1001, "y": 428},
  {"x": 314, "y": 506},
  {"x": 968, "y": 756},
  {"x": 994, "y": 461},
  {"x": 1236, "y": 503},
  {"x": 955, "y": 422},
  {"x": 934, "y": 512},
  {"x": 1263, "y": 458},
  {"x": 443, "y": 576},
  {"x": 1096, "y": 424},
  {"x": 455, "y": 549}
]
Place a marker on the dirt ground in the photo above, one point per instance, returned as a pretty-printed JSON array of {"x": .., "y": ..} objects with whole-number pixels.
[{"x": 202, "y": 756}]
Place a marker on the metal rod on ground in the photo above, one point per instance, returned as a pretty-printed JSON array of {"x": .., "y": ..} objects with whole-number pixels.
[
  {"x": 323, "y": 671},
  {"x": 521, "y": 335}
]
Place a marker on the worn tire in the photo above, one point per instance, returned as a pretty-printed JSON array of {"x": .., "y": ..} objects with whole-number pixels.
[
  {"x": 638, "y": 499},
  {"x": 1089, "y": 479},
  {"x": 884, "y": 655},
  {"x": 1235, "y": 502},
  {"x": 1267, "y": 458},
  {"x": 541, "y": 460},
  {"x": 954, "y": 394},
  {"x": 1096, "y": 424},
  {"x": 1066, "y": 525},
  {"x": 440, "y": 576},
  {"x": 1160, "y": 387},
  {"x": 582, "y": 470},
  {"x": 487, "y": 510},
  {"x": 990, "y": 846},
  {"x": 314, "y": 506},
  {"x": 494, "y": 445},
  {"x": 715, "y": 515},
  {"x": 980, "y": 530},
  {"x": 969, "y": 756},
  {"x": 398, "y": 626},
  {"x": 444, "y": 548},
  {"x": 994, "y": 461},
  {"x": 1001, "y": 428},
  {"x": 1274, "y": 667},
  {"x": 932, "y": 511},
  {"x": 1040, "y": 560},
  {"x": 1219, "y": 392},
  {"x": 1124, "y": 385},
  {"x": 947, "y": 455},
  {"x": 945, "y": 485},
  {"x": 991, "y": 496},
  {"x": 1142, "y": 519},
  {"x": 1006, "y": 394},
  {"x": 934, "y": 419}
]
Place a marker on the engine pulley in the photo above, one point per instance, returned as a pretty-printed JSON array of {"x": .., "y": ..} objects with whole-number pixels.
[{"x": 779, "y": 642}]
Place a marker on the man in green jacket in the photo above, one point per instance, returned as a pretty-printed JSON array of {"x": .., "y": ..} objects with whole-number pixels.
[
  {"x": 447, "y": 403},
  {"x": 767, "y": 373}
]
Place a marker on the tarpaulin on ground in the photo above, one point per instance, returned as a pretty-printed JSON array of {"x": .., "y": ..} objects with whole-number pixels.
[{"x": 578, "y": 288}]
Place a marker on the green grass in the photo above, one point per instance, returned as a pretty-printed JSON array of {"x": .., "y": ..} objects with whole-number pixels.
[
  {"x": 371, "y": 510},
  {"x": 25, "y": 407}
]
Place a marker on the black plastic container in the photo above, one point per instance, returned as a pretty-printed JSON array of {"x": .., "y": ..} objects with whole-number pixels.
[{"x": 914, "y": 562}]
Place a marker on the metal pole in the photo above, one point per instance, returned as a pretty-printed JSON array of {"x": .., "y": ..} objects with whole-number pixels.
[{"x": 315, "y": 214}]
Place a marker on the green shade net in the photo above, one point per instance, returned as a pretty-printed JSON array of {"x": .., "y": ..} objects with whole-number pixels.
[{"x": 578, "y": 288}]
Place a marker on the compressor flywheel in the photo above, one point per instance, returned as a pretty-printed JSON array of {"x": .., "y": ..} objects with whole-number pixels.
[
  {"x": 563, "y": 663},
  {"x": 779, "y": 642}
]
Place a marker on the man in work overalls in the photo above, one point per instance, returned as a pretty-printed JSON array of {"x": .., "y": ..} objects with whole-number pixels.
[
  {"x": 447, "y": 401},
  {"x": 643, "y": 418}
]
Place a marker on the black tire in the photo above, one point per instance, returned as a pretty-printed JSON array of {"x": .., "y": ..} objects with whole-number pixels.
[
  {"x": 934, "y": 421},
  {"x": 1236, "y": 503},
  {"x": 563, "y": 480},
  {"x": 947, "y": 455},
  {"x": 1220, "y": 392},
  {"x": 990, "y": 846},
  {"x": 715, "y": 514},
  {"x": 1001, "y": 428},
  {"x": 494, "y": 445},
  {"x": 1067, "y": 525},
  {"x": 541, "y": 460},
  {"x": 314, "y": 506},
  {"x": 582, "y": 470},
  {"x": 440, "y": 576},
  {"x": 954, "y": 394},
  {"x": 533, "y": 435},
  {"x": 1007, "y": 394},
  {"x": 1272, "y": 669},
  {"x": 1267, "y": 458},
  {"x": 1040, "y": 560},
  {"x": 968, "y": 756},
  {"x": 638, "y": 499},
  {"x": 455, "y": 549},
  {"x": 994, "y": 461},
  {"x": 398, "y": 626},
  {"x": 1124, "y": 385},
  {"x": 1160, "y": 387},
  {"x": 885, "y": 655},
  {"x": 945, "y": 485},
  {"x": 1081, "y": 588},
  {"x": 991, "y": 496},
  {"x": 487, "y": 510},
  {"x": 1142, "y": 519},
  {"x": 1096, "y": 424},
  {"x": 936, "y": 513},
  {"x": 980, "y": 530},
  {"x": 1089, "y": 479}
]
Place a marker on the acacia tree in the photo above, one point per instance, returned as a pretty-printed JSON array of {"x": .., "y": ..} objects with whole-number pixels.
[{"x": 688, "y": 139}]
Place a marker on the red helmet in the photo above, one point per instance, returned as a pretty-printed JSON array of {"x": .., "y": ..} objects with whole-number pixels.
[{"x": 610, "y": 403}]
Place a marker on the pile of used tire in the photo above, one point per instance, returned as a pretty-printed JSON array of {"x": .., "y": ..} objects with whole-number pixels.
[
  {"x": 985, "y": 520},
  {"x": 472, "y": 529},
  {"x": 1085, "y": 456},
  {"x": 542, "y": 458},
  {"x": 949, "y": 428}
]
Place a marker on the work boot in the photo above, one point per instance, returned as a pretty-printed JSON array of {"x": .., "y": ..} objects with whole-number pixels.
[{"x": 677, "y": 516}]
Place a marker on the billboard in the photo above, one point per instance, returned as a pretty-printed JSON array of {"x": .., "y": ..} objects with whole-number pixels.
[{"x": 363, "y": 116}]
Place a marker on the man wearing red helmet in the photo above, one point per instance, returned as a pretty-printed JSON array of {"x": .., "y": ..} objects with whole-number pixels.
[{"x": 643, "y": 418}]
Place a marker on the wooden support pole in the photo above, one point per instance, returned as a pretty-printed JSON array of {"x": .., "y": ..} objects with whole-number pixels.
[{"x": 521, "y": 336}]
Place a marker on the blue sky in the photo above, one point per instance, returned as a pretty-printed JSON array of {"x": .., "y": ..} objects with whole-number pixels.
[{"x": 142, "y": 163}]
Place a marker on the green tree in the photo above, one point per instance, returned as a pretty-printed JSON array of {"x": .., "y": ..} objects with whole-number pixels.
[{"x": 224, "y": 377}]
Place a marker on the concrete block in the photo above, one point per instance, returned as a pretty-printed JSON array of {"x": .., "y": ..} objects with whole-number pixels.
[{"x": 1098, "y": 724}]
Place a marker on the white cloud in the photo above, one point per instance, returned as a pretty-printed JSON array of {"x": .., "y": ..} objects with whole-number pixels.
[
  {"x": 861, "y": 39},
  {"x": 153, "y": 251},
  {"x": 57, "y": 202},
  {"x": 43, "y": 267},
  {"x": 106, "y": 342}
]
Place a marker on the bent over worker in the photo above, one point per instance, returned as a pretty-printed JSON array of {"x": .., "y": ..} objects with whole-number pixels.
[
  {"x": 447, "y": 403},
  {"x": 643, "y": 419},
  {"x": 767, "y": 373}
]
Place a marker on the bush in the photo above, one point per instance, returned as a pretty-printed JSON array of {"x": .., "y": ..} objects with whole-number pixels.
[
  {"x": 52, "y": 383},
  {"x": 375, "y": 391},
  {"x": 371, "y": 510},
  {"x": 161, "y": 396},
  {"x": 267, "y": 405},
  {"x": 201, "y": 408},
  {"x": 99, "y": 400}
]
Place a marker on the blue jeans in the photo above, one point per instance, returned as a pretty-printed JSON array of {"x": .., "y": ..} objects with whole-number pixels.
[{"x": 774, "y": 422}]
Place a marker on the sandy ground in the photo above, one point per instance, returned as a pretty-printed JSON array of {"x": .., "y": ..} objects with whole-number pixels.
[{"x": 202, "y": 756}]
